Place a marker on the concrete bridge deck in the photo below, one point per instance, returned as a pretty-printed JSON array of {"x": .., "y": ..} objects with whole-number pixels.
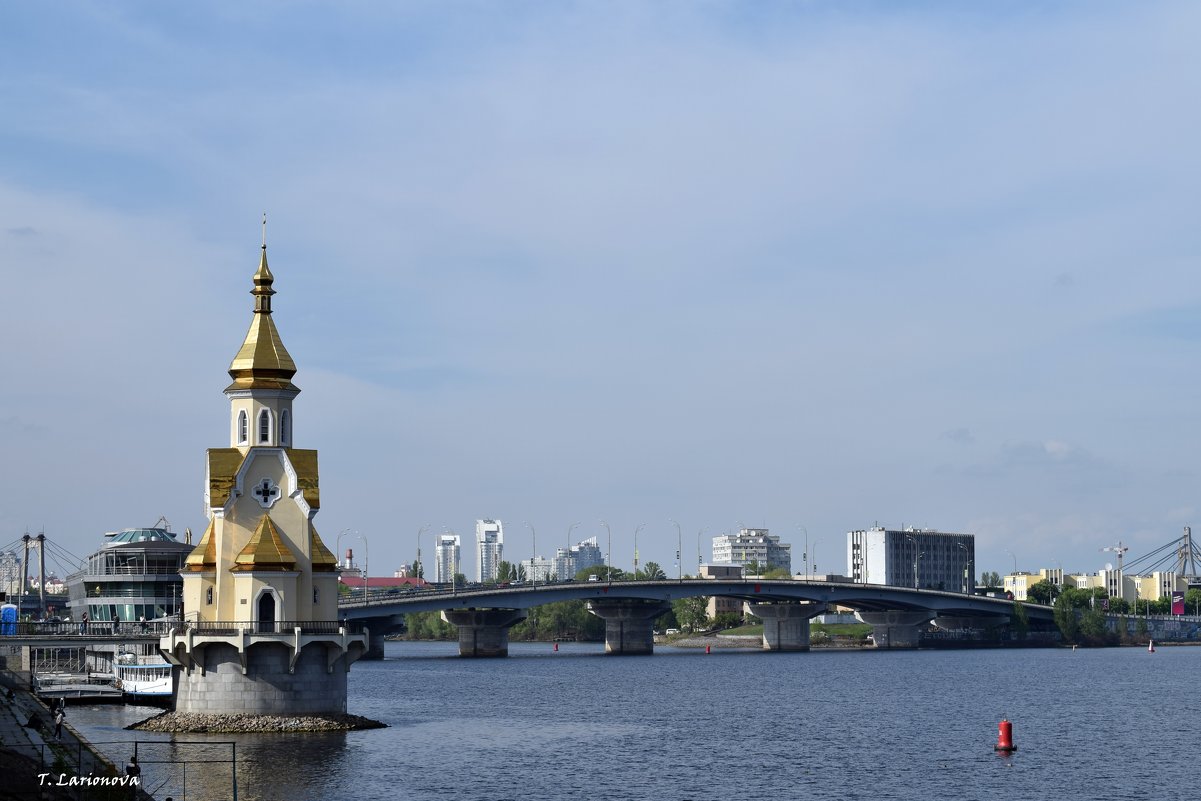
[{"x": 484, "y": 614}]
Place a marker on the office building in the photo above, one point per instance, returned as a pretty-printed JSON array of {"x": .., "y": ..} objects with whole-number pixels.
[
  {"x": 489, "y": 549},
  {"x": 753, "y": 546},
  {"x": 446, "y": 558},
  {"x": 912, "y": 557}
]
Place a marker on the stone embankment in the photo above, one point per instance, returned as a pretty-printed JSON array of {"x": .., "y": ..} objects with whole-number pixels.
[
  {"x": 193, "y": 723},
  {"x": 717, "y": 641}
]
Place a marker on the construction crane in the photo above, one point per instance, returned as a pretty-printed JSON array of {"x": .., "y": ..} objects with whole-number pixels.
[{"x": 1120, "y": 550}]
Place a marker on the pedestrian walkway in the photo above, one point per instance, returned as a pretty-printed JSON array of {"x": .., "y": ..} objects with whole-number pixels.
[{"x": 68, "y": 755}]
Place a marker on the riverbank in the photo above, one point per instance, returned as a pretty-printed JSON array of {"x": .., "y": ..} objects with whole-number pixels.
[
  {"x": 192, "y": 723},
  {"x": 35, "y": 764}
]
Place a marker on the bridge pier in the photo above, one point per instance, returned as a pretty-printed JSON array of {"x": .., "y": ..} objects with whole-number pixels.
[
  {"x": 896, "y": 628},
  {"x": 629, "y": 624},
  {"x": 483, "y": 632},
  {"x": 786, "y": 625}
]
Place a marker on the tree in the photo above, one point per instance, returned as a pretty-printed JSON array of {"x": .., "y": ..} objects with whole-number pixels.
[
  {"x": 1041, "y": 592},
  {"x": 1020, "y": 621},
  {"x": 991, "y": 579},
  {"x": 602, "y": 572},
  {"x": 727, "y": 620},
  {"x": 417, "y": 569},
  {"x": 693, "y": 613},
  {"x": 651, "y": 572},
  {"x": 1093, "y": 628},
  {"x": 1065, "y": 617},
  {"x": 508, "y": 572}
]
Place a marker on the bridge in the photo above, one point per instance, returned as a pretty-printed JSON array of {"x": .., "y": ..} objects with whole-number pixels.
[{"x": 483, "y": 615}]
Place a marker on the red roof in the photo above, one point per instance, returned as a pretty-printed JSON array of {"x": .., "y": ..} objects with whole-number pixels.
[{"x": 382, "y": 582}]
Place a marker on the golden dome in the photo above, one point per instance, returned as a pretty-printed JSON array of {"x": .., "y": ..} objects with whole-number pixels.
[{"x": 262, "y": 362}]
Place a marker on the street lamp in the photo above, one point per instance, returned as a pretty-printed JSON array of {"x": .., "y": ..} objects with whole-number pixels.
[
  {"x": 805, "y": 554},
  {"x": 608, "y": 553},
  {"x": 1015, "y": 561},
  {"x": 679, "y": 548},
  {"x": 419, "y": 569},
  {"x": 914, "y": 541},
  {"x": 572, "y": 563},
  {"x": 967, "y": 571},
  {"x": 636, "y": 530},
  {"x": 534, "y": 538},
  {"x": 700, "y": 560}
]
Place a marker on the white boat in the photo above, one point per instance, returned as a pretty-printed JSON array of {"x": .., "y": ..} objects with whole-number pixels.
[
  {"x": 142, "y": 679},
  {"x": 74, "y": 685}
]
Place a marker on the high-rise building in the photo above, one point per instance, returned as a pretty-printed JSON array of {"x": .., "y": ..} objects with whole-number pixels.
[
  {"x": 912, "y": 557},
  {"x": 489, "y": 547},
  {"x": 564, "y": 565},
  {"x": 446, "y": 558},
  {"x": 752, "y": 545},
  {"x": 587, "y": 554}
]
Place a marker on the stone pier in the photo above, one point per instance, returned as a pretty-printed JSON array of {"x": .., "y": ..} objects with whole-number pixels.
[
  {"x": 484, "y": 632},
  {"x": 896, "y": 628},
  {"x": 629, "y": 624},
  {"x": 786, "y": 625}
]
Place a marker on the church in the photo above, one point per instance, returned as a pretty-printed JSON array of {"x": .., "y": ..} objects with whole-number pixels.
[{"x": 260, "y": 633}]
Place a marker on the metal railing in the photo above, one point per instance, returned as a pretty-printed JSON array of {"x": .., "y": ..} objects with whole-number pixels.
[
  {"x": 228, "y": 628},
  {"x": 101, "y": 628}
]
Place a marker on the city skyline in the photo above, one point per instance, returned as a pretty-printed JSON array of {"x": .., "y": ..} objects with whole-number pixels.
[{"x": 782, "y": 267}]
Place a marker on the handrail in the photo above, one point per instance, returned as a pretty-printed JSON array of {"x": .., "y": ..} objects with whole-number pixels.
[{"x": 234, "y": 627}]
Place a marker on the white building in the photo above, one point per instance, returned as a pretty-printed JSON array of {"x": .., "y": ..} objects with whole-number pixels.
[
  {"x": 587, "y": 554},
  {"x": 446, "y": 558},
  {"x": 489, "y": 547},
  {"x": 539, "y": 569},
  {"x": 752, "y": 545},
  {"x": 564, "y": 566},
  {"x": 10, "y": 573},
  {"x": 912, "y": 557}
]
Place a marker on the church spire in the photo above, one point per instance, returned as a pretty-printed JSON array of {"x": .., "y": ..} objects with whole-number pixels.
[{"x": 262, "y": 362}]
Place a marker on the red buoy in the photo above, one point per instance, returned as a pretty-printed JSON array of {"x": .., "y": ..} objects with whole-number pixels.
[
  {"x": 1005, "y": 737},
  {"x": 1151, "y": 646},
  {"x": 708, "y": 649},
  {"x": 556, "y": 646}
]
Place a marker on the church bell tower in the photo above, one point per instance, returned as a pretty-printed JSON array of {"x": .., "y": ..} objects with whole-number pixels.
[{"x": 260, "y": 589}]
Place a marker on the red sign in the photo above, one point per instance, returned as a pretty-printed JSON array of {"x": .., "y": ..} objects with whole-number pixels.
[{"x": 1177, "y": 603}]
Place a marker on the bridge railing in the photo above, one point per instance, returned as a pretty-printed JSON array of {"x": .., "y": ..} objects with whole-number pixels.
[
  {"x": 102, "y": 628},
  {"x": 229, "y": 628}
]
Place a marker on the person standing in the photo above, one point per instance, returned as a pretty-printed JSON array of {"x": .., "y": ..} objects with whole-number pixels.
[
  {"x": 83, "y": 624},
  {"x": 59, "y": 715}
]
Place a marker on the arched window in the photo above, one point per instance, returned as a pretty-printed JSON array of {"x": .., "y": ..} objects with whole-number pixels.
[
  {"x": 285, "y": 428},
  {"x": 264, "y": 426},
  {"x": 242, "y": 434}
]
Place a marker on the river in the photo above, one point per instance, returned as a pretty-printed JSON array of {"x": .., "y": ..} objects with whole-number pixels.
[{"x": 829, "y": 724}]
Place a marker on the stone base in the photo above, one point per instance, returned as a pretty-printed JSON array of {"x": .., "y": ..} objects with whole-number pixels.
[
  {"x": 207, "y": 724},
  {"x": 629, "y": 624},
  {"x": 216, "y": 684},
  {"x": 895, "y": 628},
  {"x": 786, "y": 625},
  {"x": 483, "y": 632}
]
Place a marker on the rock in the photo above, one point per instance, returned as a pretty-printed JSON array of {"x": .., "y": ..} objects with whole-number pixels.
[{"x": 198, "y": 723}]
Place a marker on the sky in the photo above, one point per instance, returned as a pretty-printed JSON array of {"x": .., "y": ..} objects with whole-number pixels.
[{"x": 809, "y": 266}]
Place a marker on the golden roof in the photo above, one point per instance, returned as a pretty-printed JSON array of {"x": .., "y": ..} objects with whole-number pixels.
[
  {"x": 204, "y": 556},
  {"x": 224, "y": 464},
  {"x": 262, "y": 362},
  {"x": 324, "y": 560},
  {"x": 265, "y": 550}
]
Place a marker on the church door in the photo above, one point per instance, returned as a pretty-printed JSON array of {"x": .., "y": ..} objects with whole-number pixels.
[{"x": 267, "y": 613}]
